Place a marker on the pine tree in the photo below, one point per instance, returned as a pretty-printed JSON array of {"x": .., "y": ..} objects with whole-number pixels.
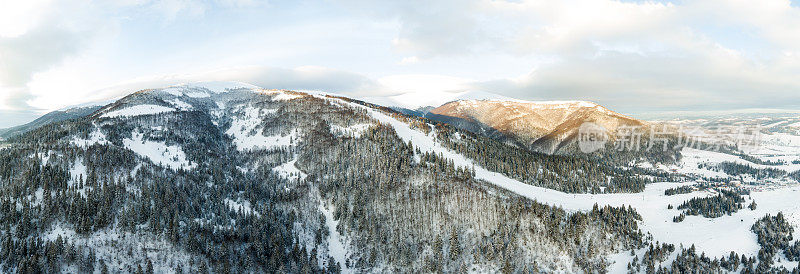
[
  {"x": 455, "y": 249},
  {"x": 103, "y": 267},
  {"x": 149, "y": 267}
]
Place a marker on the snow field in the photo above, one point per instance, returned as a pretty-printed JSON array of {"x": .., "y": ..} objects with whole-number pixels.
[
  {"x": 172, "y": 156},
  {"x": 337, "y": 244},
  {"x": 137, "y": 110},
  {"x": 246, "y": 136},
  {"x": 354, "y": 130},
  {"x": 289, "y": 171},
  {"x": 240, "y": 205},
  {"x": 96, "y": 137},
  {"x": 112, "y": 246},
  {"x": 180, "y": 105}
]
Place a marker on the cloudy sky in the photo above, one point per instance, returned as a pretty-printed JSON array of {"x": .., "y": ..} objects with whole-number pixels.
[{"x": 635, "y": 57}]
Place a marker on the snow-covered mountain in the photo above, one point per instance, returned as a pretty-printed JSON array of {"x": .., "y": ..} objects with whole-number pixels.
[
  {"x": 49, "y": 118},
  {"x": 544, "y": 125},
  {"x": 421, "y": 99},
  {"x": 230, "y": 177}
]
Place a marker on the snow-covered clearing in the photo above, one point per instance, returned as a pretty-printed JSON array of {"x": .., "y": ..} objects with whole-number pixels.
[
  {"x": 179, "y": 104},
  {"x": 96, "y": 137},
  {"x": 124, "y": 251},
  {"x": 138, "y": 110},
  {"x": 197, "y": 94},
  {"x": 779, "y": 147},
  {"x": 241, "y": 206},
  {"x": 283, "y": 96},
  {"x": 716, "y": 237},
  {"x": 354, "y": 130},
  {"x": 77, "y": 172},
  {"x": 246, "y": 136},
  {"x": 337, "y": 245},
  {"x": 289, "y": 171},
  {"x": 692, "y": 157},
  {"x": 170, "y": 156}
]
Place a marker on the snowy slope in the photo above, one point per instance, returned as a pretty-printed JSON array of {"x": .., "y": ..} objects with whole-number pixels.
[
  {"x": 414, "y": 100},
  {"x": 137, "y": 110},
  {"x": 171, "y": 156}
]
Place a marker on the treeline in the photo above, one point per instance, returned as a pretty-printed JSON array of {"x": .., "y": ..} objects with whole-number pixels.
[
  {"x": 726, "y": 202},
  {"x": 774, "y": 234},
  {"x": 678, "y": 190},
  {"x": 736, "y": 169}
]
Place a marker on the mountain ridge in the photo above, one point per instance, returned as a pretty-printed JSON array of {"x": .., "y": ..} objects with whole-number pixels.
[{"x": 544, "y": 126}]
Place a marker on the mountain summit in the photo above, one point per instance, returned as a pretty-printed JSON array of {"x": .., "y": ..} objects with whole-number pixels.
[{"x": 544, "y": 126}]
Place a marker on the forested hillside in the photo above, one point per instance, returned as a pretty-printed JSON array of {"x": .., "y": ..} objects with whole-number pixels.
[{"x": 193, "y": 179}]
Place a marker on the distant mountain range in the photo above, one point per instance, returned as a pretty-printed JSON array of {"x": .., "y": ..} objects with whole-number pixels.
[
  {"x": 544, "y": 126},
  {"x": 51, "y": 117}
]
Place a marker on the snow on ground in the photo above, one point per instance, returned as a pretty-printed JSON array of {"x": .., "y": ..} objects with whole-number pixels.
[
  {"x": 34, "y": 199},
  {"x": 354, "y": 130},
  {"x": 290, "y": 171},
  {"x": 44, "y": 157},
  {"x": 198, "y": 94},
  {"x": 337, "y": 244},
  {"x": 123, "y": 251},
  {"x": 619, "y": 261},
  {"x": 283, "y": 96},
  {"x": 221, "y": 87},
  {"x": 181, "y": 105},
  {"x": 246, "y": 136},
  {"x": 717, "y": 237},
  {"x": 174, "y": 91},
  {"x": 779, "y": 147},
  {"x": 241, "y": 205},
  {"x": 96, "y": 137},
  {"x": 245, "y": 141},
  {"x": 138, "y": 110},
  {"x": 170, "y": 156},
  {"x": 691, "y": 158},
  {"x": 198, "y": 90},
  {"x": 77, "y": 172}
]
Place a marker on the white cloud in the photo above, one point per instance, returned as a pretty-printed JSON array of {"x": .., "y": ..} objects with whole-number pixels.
[
  {"x": 409, "y": 60},
  {"x": 17, "y": 17},
  {"x": 38, "y": 36},
  {"x": 308, "y": 77},
  {"x": 631, "y": 56},
  {"x": 170, "y": 9}
]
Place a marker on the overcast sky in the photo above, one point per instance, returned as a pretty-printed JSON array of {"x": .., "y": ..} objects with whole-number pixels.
[{"x": 634, "y": 57}]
